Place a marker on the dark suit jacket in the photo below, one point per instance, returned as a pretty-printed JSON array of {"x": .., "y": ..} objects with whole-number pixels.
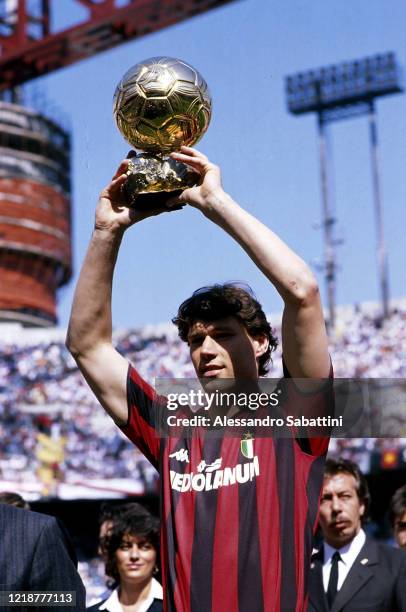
[
  {"x": 376, "y": 582},
  {"x": 36, "y": 555}
]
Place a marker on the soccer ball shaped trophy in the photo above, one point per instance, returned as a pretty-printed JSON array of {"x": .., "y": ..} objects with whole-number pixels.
[{"x": 159, "y": 105}]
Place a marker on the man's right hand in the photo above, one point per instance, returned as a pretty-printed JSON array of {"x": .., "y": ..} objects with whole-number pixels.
[{"x": 113, "y": 213}]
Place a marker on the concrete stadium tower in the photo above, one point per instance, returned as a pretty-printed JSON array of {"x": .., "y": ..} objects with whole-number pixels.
[{"x": 35, "y": 215}]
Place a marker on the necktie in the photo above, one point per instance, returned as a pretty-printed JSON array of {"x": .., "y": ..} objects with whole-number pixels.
[{"x": 333, "y": 580}]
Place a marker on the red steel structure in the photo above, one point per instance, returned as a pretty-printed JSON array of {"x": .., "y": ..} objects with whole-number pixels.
[
  {"x": 29, "y": 49},
  {"x": 35, "y": 226}
]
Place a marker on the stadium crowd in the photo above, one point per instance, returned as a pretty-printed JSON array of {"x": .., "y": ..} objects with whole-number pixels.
[{"x": 41, "y": 389}]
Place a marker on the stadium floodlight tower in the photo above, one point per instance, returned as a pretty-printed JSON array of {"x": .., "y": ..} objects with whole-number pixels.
[{"x": 337, "y": 92}]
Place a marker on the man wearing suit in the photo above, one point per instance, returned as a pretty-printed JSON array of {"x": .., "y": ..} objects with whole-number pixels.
[
  {"x": 36, "y": 555},
  {"x": 351, "y": 573}
]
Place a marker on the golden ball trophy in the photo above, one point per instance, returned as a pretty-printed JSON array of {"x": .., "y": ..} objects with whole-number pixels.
[{"x": 160, "y": 104}]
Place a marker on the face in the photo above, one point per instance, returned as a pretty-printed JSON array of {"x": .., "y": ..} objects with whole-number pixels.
[
  {"x": 340, "y": 510},
  {"x": 400, "y": 530},
  {"x": 224, "y": 349},
  {"x": 135, "y": 559}
]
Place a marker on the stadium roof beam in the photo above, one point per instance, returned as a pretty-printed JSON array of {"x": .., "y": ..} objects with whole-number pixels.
[
  {"x": 338, "y": 92},
  {"x": 28, "y": 48}
]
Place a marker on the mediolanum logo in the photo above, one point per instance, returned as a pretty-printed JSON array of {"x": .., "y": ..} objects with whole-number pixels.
[{"x": 213, "y": 476}]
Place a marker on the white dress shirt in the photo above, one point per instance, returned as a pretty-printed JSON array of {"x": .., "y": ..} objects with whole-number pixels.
[
  {"x": 348, "y": 555},
  {"x": 112, "y": 604}
]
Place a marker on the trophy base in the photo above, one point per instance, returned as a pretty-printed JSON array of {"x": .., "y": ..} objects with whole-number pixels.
[{"x": 149, "y": 173}]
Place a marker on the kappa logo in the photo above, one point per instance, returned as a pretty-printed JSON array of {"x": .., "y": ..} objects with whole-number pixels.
[{"x": 181, "y": 455}]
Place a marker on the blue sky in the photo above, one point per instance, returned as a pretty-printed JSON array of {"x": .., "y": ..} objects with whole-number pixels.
[{"x": 269, "y": 158}]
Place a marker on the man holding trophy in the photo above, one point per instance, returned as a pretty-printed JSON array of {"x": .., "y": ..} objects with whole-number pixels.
[{"x": 236, "y": 546}]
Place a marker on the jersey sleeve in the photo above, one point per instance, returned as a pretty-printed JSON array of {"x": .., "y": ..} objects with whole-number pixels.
[
  {"x": 145, "y": 408},
  {"x": 317, "y": 403}
]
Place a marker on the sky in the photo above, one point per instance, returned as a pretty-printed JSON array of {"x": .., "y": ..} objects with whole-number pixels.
[{"x": 269, "y": 158}]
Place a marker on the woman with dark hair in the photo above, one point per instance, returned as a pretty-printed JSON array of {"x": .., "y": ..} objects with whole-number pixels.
[{"x": 131, "y": 550}]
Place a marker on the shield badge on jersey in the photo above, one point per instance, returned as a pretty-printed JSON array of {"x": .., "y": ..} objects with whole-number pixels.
[{"x": 247, "y": 446}]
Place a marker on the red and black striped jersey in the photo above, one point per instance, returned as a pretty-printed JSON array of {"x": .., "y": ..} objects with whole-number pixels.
[{"x": 238, "y": 516}]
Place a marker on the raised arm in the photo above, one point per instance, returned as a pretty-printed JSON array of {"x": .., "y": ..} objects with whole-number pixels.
[
  {"x": 304, "y": 336},
  {"x": 89, "y": 337}
]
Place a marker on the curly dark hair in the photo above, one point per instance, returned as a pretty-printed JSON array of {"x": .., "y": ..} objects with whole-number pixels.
[
  {"x": 136, "y": 523},
  {"x": 229, "y": 299},
  {"x": 110, "y": 511},
  {"x": 345, "y": 466}
]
